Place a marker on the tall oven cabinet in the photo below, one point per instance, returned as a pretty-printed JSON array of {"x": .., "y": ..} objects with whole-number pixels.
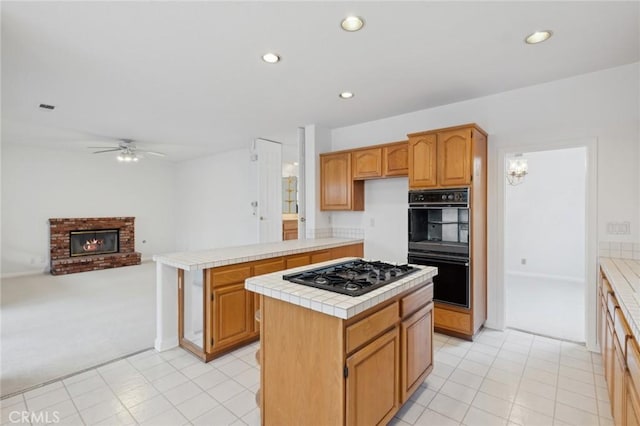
[{"x": 455, "y": 159}]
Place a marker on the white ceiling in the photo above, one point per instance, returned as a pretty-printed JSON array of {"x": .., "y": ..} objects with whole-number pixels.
[{"x": 187, "y": 77}]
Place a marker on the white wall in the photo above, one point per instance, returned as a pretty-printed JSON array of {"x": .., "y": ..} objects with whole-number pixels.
[
  {"x": 38, "y": 184},
  {"x": 545, "y": 216},
  {"x": 602, "y": 105},
  {"x": 316, "y": 140},
  {"x": 213, "y": 201}
]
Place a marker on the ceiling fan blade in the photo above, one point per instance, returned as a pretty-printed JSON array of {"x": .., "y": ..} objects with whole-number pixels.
[
  {"x": 156, "y": 153},
  {"x": 107, "y": 150},
  {"x": 100, "y": 147}
]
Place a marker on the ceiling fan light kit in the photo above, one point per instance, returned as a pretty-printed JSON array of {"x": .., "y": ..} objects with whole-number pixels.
[{"x": 127, "y": 151}]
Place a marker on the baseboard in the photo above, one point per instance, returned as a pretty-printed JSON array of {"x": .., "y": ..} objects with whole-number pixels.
[
  {"x": 23, "y": 274},
  {"x": 162, "y": 345}
]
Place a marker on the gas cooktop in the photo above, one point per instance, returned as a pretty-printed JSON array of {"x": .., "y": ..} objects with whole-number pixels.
[{"x": 354, "y": 277}]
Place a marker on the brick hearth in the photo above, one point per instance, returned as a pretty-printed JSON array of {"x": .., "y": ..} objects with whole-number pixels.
[{"x": 63, "y": 263}]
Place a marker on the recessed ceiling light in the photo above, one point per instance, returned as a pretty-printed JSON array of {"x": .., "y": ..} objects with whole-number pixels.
[
  {"x": 271, "y": 58},
  {"x": 352, "y": 23},
  {"x": 538, "y": 37},
  {"x": 346, "y": 95}
]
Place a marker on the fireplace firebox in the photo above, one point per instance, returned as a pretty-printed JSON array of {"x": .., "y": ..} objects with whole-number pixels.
[{"x": 95, "y": 241}]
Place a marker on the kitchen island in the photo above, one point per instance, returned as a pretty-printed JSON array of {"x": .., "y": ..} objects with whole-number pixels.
[
  {"x": 202, "y": 304},
  {"x": 332, "y": 359}
]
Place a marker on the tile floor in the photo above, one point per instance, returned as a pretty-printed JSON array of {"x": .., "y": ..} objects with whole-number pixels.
[{"x": 502, "y": 378}]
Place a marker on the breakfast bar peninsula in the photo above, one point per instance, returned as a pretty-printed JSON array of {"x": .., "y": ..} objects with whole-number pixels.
[{"x": 202, "y": 304}]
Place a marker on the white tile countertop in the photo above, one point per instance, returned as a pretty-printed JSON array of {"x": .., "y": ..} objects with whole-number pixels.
[
  {"x": 195, "y": 260},
  {"x": 624, "y": 277},
  {"x": 330, "y": 303}
]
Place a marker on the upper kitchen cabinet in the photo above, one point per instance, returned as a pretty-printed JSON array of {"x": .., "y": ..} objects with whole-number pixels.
[
  {"x": 445, "y": 157},
  {"x": 395, "y": 159},
  {"x": 422, "y": 160},
  {"x": 367, "y": 163},
  {"x": 338, "y": 189}
]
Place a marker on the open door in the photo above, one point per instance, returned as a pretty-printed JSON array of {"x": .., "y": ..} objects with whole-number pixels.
[{"x": 269, "y": 207}]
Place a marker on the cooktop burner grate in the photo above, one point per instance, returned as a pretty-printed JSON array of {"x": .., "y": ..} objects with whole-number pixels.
[{"x": 354, "y": 277}]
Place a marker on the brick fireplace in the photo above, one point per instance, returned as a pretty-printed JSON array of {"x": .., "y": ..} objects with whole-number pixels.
[{"x": 89, "y": 244}]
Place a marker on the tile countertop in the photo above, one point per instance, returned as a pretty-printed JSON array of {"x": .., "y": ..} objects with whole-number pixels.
[
  {"x": 330, "y": 303},
  {"x": 624, "y": 277},
  {"x": 195, "y": 260}
]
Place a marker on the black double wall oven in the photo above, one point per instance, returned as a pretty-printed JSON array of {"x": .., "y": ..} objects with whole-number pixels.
[{"x": 439, "y": 236}]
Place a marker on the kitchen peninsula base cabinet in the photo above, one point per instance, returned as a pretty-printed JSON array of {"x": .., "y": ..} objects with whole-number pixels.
[
  {"x": 226, "y": 311},
  {"x": 319, "y": 369}
]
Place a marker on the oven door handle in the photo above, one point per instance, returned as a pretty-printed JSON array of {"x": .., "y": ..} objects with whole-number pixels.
[
  {"x": 437, "y": 206},
  {"x": 448, "y": 260}
]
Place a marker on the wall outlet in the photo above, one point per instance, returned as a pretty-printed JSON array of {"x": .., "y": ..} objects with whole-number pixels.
[
  {"x": 523, "y": 261},
  {"x": 618, "y": 228},
  {"x": 372, "y": 222}
]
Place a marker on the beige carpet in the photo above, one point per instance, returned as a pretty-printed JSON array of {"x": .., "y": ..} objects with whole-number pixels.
[{"x": 55, "y": 326}]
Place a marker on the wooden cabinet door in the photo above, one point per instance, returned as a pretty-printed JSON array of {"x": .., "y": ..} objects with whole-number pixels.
[
  {"x": 632, "y": 402},
  {"x": 417, "y": 359},
  {"x": 395, "y": 159},
  {"x": 232, "y": 315},
  {"x": 608, "y": 354},
  {"x": 454, "y": 157},
  {"x": 367, "y": 163},
  {"x": 373, "y": 381},
  {"x": 632, "y": 407},
  {"x": 619, "y": 387},
  {"x": 335, "y": 181},
  {"x": 422, "y": 161}
]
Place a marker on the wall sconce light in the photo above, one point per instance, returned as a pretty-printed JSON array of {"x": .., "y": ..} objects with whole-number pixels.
[{"x": 517, "y": 170}]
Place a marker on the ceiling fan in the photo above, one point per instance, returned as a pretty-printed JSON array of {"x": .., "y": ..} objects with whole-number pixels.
[{"x": 128, "y": 151}]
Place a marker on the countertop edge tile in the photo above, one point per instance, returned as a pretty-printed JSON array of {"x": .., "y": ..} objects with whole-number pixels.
[
  {"x": 238, "y": 254},
  {"x": 624, "y": 277},
  {"x": 272, "y": 285}
]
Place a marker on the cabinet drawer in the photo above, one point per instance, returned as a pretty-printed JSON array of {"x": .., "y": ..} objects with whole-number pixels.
[
  {"x": 365, "y": 330},
  {"x": 456, "y": 321},
  {"x": 295, "y": 261},
  {"x": 621, "y": 328},
  {"x": 320, "y": 256},
  {"x": 612, "y": 304},
  {"x": 288, "y": 225},
  {"x": 268, "y": 267},
  {"x": 230, "y": 275},
  {"x": 416, "y": 300},
  {"x": 633, "y": 363}
]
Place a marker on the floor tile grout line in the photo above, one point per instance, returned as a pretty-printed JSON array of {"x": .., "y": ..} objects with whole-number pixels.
[{"x": 118, "y": 398}]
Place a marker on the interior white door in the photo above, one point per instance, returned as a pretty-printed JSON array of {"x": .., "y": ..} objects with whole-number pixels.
[{"x": 269, "y": 190}]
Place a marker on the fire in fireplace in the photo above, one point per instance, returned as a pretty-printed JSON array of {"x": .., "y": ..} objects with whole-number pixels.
[{"x": 97, "y": 241}]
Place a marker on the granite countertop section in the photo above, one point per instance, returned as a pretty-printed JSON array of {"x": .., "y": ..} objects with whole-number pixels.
[
  {"x": 327, "y": 302},
  {"x": 195, "y": 260},
  {"x": 624, "y": 277}
]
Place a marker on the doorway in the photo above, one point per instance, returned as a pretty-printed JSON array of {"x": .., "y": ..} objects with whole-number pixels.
[
  {"x": 269, "y": 205},
  {"x": 545, "y": 247}
]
